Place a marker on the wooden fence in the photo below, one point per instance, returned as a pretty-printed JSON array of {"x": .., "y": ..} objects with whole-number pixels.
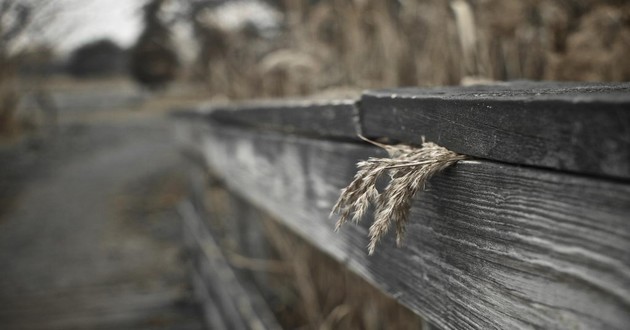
[{"x": 533, "y": 230}]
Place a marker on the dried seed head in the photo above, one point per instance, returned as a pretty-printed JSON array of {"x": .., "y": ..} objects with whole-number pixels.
[{"x": 409, "y": 169}]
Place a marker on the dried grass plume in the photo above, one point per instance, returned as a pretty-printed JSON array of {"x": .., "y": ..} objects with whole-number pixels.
[{"x": 409, "y": 169}]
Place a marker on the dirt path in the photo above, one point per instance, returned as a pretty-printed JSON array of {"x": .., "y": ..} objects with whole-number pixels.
[{"x": 90, "y": 238}]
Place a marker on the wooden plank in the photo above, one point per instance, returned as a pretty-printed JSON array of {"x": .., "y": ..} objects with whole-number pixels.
[
  {"x": 187, "y": 130},
  {"x": 583, "y": 128},
  {"x": 489, "y": 245},
  {"x": 240, "y": 307},
  {"x": 333, "y": 119},
  {"x": 211, "y": 312}
]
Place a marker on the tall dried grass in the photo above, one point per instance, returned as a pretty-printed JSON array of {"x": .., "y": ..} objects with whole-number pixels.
[
  {"x": 332, "y": 296},
  {"x": 305, "y": 288},
  {"x": 369, "y": 44}
]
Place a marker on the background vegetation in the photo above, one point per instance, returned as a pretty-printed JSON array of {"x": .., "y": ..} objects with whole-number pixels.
[
  {"x": 332, "y": 44},
  {"x": 331, "y": 47}
]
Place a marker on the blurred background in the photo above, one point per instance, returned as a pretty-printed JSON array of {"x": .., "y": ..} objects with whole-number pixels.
[
  {"x": 90, "y": 175},
  {"x": 230, "y": 49}
]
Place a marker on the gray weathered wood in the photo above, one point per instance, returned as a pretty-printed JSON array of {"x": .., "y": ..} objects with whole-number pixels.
[
  {"x": 489, "y": 245},
  {"x": 330, "y": 119},
  {"x": 239, "y": 307},
  {"x": 583, "y": 128}
]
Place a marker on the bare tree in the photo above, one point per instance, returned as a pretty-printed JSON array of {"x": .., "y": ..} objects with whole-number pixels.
[{"x": 21, "y": 24}]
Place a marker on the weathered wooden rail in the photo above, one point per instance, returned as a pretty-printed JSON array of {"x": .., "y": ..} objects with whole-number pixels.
[{"x": 533, "y": 231}]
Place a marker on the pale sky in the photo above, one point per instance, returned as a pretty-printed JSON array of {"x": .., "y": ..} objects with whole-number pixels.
[{"x": 80, "y": 21}]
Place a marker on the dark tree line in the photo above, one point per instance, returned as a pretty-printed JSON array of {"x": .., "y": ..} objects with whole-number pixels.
[{"x": 96, "y": 59}]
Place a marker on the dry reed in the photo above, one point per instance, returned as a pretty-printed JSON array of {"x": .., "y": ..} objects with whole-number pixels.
[
  {"x": 409, "y": 169},
  {"x": 305, "y": 288},
  {"x": 374, "y": 44}
]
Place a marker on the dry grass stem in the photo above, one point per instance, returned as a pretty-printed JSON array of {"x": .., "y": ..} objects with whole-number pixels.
[{"x": 409, "y": 169}]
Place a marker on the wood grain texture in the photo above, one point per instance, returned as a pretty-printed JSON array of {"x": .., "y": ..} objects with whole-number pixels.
[
  {"x": 583, "y": 128},
  {"x": 330, "y": 118},
  {"x": 489, "y": 245}
]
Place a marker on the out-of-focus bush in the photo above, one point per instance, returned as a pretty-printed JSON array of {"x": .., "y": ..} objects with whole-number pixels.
[{"x": 97, "y": 59}]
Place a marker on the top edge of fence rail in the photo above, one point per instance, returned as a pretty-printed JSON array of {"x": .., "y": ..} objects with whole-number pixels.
[
  {"x": 258, "y": 104},
  {"x": 573, "y": 92},
  {"x": 336, "y": 118},
  {"x": 284, "y": 103},
  {"x": 208, "y": 108}
]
